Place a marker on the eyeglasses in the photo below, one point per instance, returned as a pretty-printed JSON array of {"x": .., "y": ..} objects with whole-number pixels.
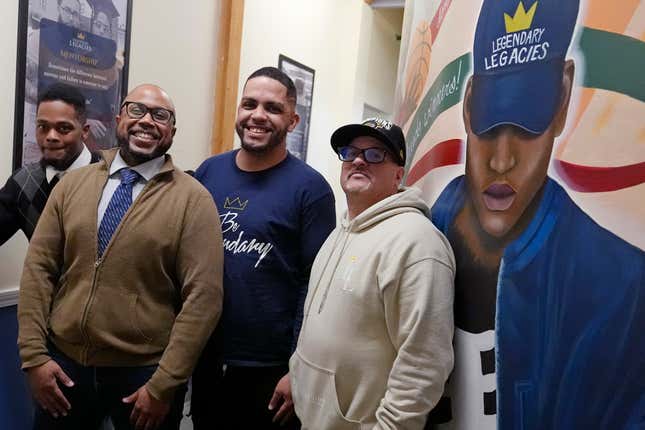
[
  {"x": 137, "y": 110},
  {"x": 370, "y": 155}
]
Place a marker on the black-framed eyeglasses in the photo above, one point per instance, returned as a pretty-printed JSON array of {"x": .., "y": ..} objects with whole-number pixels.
[
  {"x": 136, "y": 110},
  {"x": 371, "y": 155}
]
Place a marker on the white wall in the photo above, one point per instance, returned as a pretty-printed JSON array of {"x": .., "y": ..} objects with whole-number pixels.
[
  {"x": 333, "y": 37},
  {"x": 174, "y": 46},
  {"x": 383, "y": 58}
]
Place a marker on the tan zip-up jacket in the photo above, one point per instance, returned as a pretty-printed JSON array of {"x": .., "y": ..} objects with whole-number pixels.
[
  {"x": 154, "y": 296},
  {"x": 375, "y": 348}
]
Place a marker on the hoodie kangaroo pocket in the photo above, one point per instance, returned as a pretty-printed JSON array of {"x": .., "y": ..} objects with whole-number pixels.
[{"x": 315, "y": 397}]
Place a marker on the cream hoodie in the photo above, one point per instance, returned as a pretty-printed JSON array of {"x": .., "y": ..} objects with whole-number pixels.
[{"x": 375, "y": 348}]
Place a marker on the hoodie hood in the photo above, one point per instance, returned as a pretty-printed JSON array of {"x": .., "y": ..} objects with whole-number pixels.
[{"x": 407, "y": 199}]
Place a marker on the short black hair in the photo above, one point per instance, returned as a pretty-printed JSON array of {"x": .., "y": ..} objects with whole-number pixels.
[
  {"x": 67, "y": 94},
  {"x": 280, "y": 76}
]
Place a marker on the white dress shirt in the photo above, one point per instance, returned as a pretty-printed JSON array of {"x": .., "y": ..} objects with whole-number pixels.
[
  {"x": 83, "y": 159},
  {"x": 145, "y": 170}
]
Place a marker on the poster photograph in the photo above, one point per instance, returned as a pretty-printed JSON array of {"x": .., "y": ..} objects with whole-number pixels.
[
  {"x": 82, "y": 43},
  {"x": 525, "y": 130},
  {"x": 303, "y": 79}
]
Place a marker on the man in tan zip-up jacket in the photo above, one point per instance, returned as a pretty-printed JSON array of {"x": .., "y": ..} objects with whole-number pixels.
[
  {"x": 375, "y": 347},
  {"x": 113, "y": 325}
]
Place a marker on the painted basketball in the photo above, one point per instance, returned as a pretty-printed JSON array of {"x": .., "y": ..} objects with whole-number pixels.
[{"x": 416, "y": 71}]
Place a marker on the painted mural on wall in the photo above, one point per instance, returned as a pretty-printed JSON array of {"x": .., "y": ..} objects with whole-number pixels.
[{"x": 527, "y": 124}]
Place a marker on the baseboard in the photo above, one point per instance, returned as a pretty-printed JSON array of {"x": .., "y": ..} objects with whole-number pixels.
[{"x": 9, "y": 297}]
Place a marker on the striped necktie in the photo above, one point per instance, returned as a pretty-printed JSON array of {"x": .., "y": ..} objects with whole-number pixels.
[{"x": 118, "y": 206}]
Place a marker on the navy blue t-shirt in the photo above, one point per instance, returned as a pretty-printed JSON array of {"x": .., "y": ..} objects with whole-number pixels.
[{"x": 273, "y": 223}]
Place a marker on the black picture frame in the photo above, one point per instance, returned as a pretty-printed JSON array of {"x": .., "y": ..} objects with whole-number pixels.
[
  {"x": 303, "y": 77},
  {"x": 32, "y": 17}
]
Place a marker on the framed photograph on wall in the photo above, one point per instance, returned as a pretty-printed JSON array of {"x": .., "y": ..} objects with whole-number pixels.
[
  {"x": 83, "y": 43},
  {"x": 303, "y": 78}
]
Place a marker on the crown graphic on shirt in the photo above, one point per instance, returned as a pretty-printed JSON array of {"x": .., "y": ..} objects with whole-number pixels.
[
  {"x": 235, "y": 204},
  {"x": 521, "y": 20},
  {"x": 80, "y": 35}
]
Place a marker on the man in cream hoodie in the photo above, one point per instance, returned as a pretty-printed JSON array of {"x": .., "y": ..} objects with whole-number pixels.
[{"x": 375, "y": 348}]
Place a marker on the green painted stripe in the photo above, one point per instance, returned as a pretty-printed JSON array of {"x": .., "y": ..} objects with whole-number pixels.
[
  {"x": 445, "y": 92},
  {"x": 613, "y": 62}
]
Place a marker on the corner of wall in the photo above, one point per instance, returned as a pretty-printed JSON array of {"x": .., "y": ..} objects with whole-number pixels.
[{"x": 9, "y": 297}]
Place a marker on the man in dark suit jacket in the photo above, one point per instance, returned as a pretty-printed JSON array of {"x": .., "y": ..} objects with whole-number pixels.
[{"x": 60, "y": 132}]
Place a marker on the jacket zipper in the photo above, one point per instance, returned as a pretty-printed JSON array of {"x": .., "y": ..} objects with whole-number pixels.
[
  {"x": 97, "y": 263},
  {"x": 86, "y": 310},
  {"x": 86, "y": 337}
]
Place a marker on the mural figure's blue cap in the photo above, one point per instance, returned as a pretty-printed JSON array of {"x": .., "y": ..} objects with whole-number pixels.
[{"x": 518, "y": 55}]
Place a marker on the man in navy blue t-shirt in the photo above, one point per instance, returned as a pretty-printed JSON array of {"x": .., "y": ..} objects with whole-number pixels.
[{"x": 275, "y": 213}]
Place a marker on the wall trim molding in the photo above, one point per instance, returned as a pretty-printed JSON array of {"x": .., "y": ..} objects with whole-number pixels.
[
  {"x": 9, "y": 297},
  {"x": 227, "y": 75}
]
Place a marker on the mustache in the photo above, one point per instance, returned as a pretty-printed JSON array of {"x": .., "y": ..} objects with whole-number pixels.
[{"x": 361, "y": 170}]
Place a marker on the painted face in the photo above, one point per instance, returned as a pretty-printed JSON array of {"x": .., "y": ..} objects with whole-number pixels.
[
  {"x": 101, "y": 25},
  {"x": 59, "y": 133},
  {"x": 506, "y": 169},
  {"x": 370, "y": 183},
  {"x": 144, "y": 138},
  {"x": 69, "y": 13},
  {"x": 265, "y": 115}
]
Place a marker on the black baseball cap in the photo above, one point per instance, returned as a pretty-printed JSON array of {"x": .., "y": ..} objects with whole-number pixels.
[{"x": 385, "y": 131}]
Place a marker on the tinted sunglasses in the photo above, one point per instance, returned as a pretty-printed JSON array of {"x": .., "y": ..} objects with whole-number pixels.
[{"x": 372, "y": 155}]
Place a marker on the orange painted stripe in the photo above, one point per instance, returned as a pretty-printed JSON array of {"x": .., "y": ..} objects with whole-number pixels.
[
  {"x": 611, "y": 16},
  {"x": 582, "y": 104},
  {"x": 607, "y": 16}
]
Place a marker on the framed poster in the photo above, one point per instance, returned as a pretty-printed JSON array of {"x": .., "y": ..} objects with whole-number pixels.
[
  {"x": 303, "y": 78},
  {"x": 83, "y": 43}
]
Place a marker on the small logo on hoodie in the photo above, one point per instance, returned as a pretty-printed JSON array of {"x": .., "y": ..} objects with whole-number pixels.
[{"x": 347, "y": 274}]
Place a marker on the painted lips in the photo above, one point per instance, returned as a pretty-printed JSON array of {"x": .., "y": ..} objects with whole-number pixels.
[{"x": 499, "y": 197}]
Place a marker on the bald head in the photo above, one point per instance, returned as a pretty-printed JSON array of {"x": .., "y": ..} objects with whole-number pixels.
[
  {"x": 150, "y": 90},
  {"x": 145, "y": 124}
]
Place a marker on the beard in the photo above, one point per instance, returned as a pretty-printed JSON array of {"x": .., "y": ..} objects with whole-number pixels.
[
  {"x": 276, "y": 138},
  {"x": 59, "y": 164},
  {"x": 133, "y": 158}
]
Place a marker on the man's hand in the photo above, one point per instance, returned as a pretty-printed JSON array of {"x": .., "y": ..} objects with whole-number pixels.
[
  {"x": 147, "y": 412},
  {"x": 43, "y": 381},
  {"x": 282, "y": 394}
]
